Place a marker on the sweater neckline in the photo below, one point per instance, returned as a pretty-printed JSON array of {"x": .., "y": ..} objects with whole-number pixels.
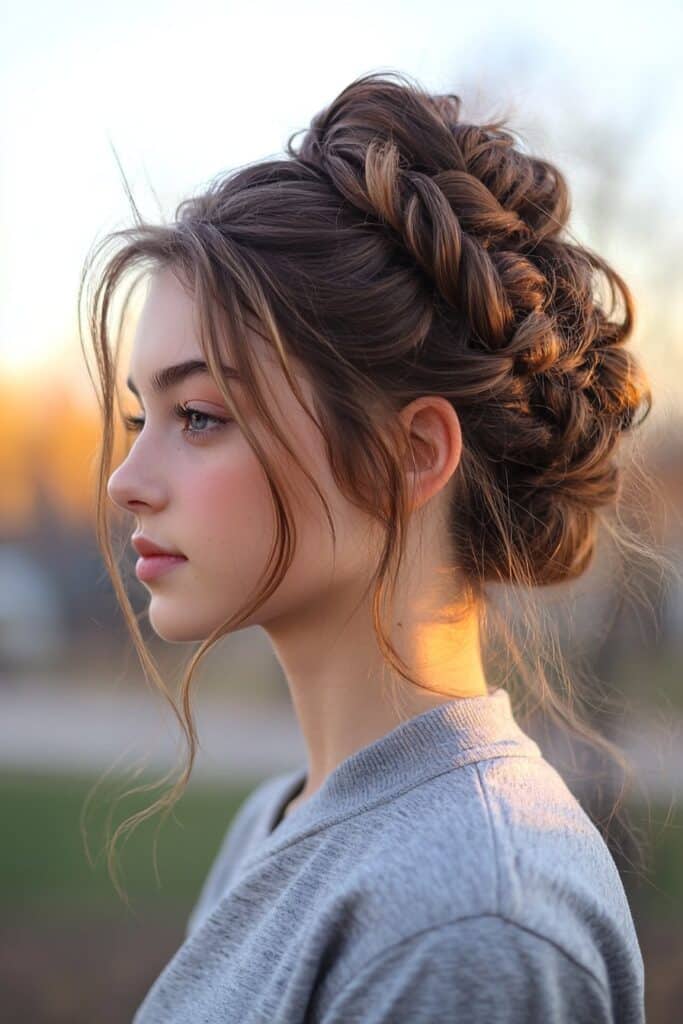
[{"x": 440, "y": 739}]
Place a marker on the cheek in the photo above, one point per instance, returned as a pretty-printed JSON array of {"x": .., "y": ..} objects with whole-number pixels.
[{"x": 226, "y": 510}]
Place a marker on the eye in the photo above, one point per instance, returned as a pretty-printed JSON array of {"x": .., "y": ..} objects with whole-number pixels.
[{"x": 134, "y": 424}]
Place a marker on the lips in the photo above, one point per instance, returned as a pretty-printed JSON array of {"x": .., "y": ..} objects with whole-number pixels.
[
  {"x": 148, "y": 549},
  {"x": 148, "y": 568}
]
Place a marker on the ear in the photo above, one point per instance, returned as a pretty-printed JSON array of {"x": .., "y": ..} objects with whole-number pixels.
[{"x": 435, "y": 446}]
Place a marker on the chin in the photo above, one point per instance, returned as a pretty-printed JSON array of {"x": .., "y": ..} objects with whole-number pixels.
[{"x": 173, "y": 629}]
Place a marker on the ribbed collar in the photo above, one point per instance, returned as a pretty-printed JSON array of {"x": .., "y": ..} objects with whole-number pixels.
[{"x": 459, "y": 732}]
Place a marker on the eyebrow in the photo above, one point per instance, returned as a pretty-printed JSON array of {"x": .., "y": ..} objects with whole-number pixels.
[{"x": 167, "y": 378}]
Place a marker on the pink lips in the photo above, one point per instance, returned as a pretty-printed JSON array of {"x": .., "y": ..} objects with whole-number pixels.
[{"x": 150, "y": 567}]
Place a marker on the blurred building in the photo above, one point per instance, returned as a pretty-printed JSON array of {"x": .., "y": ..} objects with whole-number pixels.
[{"x": 32, "y": 628}]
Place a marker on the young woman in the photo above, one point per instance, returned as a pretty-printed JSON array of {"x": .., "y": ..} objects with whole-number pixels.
[{"x": 375, "y": 380}]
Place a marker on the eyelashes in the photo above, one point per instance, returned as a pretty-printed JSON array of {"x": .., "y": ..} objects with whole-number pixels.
[{"x": 134, "y": 424}]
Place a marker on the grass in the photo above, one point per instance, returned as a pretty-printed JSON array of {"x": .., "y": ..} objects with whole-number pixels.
[
  {"x": 43, "y": 861},
  {"x": 660, "y": 897}
]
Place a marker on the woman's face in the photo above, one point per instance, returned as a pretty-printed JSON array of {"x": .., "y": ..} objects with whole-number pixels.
[{"x": 195, "y": 486}]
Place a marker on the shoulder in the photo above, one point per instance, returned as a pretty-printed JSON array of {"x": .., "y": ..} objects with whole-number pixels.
[
  {"x": 479, "y": 836},
  {"x": 482, "y": 968},
  {"x": 554, "y": 870},
  {"x": 502, "y": 842}
]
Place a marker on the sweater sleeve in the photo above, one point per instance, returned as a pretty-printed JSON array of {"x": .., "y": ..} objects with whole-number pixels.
[{"x": 482, "y": 970}]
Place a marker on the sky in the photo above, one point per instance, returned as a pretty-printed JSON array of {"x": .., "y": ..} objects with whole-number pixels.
[{"x": 183, "y": 91}]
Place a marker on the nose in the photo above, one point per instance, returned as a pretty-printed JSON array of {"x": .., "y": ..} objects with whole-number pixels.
[{"x": 131, "y": 486}]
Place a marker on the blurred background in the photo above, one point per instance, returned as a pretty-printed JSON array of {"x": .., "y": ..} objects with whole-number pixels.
[{"x": 178, "y": 93}]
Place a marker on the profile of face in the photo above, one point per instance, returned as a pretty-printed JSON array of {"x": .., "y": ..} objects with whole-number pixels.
[{"x": 195, "y": 486}]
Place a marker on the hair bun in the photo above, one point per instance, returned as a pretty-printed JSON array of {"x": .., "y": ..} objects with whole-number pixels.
[{"x": 553, "y": 386}]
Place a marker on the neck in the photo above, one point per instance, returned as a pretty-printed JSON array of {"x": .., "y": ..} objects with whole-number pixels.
[{"x": 341, "y": 687}]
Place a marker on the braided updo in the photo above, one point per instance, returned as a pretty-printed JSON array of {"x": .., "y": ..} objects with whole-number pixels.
[{"x": 517, "y": 336}]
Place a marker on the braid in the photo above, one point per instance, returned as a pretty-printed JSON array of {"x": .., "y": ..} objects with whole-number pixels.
[{"x": 541, "y": 382}]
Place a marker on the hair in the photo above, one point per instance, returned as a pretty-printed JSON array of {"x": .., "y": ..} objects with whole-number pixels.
[{"x": 399, "y": 251}]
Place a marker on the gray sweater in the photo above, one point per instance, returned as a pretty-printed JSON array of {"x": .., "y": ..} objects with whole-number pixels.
[{"x": 445, "y": 872}]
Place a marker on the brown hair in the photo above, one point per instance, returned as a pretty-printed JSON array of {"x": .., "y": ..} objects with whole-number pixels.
[{"x": 400, "y": 251}]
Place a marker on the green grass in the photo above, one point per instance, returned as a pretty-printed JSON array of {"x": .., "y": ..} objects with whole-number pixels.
[
  {"x": 661, "y": 897},
  {"x": 43, "y": 861}
]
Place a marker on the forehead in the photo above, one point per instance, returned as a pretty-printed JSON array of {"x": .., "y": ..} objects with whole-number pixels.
[{"x": 168, "y": 332}]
